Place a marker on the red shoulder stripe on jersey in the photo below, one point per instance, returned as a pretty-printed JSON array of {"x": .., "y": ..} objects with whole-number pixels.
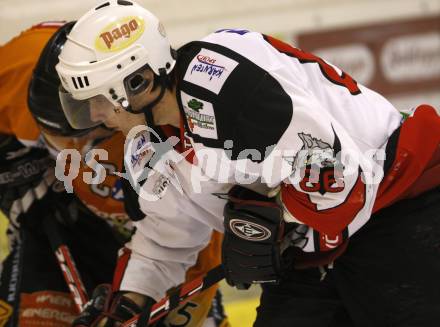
[
  {"x": 330, "y": 221},
  {"x": 327, "y": 70},
  {"x": 417, "y": 159},
  {"x": 121, "y": 266}
]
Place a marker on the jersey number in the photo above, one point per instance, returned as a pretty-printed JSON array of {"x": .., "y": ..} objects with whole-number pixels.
[
  {"x": 327, "y": 70},
  {"x": 321, "y": 181},
  {"x": 184, "y": 312}
]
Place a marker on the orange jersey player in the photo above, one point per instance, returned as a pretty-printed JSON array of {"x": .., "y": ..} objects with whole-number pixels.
[{"x": 32, "y": 289}]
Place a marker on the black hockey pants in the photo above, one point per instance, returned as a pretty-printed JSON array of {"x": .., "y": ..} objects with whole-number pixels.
[{"x": 388, "y": 276}]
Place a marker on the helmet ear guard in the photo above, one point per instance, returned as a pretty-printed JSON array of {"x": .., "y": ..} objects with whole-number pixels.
[
  {"x": 163, "y": 80},
  {"x": 136, "y": 82}
]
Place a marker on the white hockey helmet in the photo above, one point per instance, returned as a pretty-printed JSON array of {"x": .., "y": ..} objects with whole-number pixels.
[{"x": 106, "y": 46}]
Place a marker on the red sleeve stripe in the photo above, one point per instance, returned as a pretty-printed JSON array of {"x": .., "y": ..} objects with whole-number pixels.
[
  {"x": 327, "y": 70},
  {"x": 121, "y": 266}
]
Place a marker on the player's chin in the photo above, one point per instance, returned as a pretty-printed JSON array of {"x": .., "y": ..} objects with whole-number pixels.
[
  {"x": 112, "y": 129},
  {"x": 111, "y": 126}
]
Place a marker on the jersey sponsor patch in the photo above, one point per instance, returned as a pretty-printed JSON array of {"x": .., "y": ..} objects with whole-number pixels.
[
  {"x": 143, "y": 148},
  {"x": 200, "y": 116},
  {"x": 47, "y": 308},
  {"x": 210, "y": 70},
  {"x": 160, "y": 186}
]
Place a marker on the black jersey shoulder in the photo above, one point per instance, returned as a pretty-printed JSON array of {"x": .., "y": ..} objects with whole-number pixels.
[{"x": 251, "y": 109}]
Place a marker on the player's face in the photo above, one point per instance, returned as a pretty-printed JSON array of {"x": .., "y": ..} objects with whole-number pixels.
[
  {"x": 123, "y": 120},
  {"x": 100, "y": 109}
]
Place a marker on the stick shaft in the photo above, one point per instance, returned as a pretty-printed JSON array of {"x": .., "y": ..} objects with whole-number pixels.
[{"x": 66, "y": 263}]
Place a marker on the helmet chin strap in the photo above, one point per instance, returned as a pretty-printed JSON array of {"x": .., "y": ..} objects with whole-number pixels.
[{"x": 148, "y": 109}]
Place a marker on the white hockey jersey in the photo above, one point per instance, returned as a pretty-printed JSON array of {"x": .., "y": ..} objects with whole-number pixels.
[{"x": 259, "y": 113}]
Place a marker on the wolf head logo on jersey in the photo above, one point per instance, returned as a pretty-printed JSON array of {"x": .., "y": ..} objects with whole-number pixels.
[
  {"x": 320, "y": 169},
  {"x": 319, "y": 152},
  {"x": 313, "y": 152}
]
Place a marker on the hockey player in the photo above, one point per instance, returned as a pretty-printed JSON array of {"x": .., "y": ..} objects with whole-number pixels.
[
  {"x": 325, "y": 195},
  {"x": 32, "y": 288},
  {"x": 96, "y": 224}
]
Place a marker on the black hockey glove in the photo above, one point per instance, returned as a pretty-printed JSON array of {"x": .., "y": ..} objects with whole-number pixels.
[
  {"x": 22, "y": 173},
  {"x": 252, "y": 244},
  {"x": 28, "y": 187},
  {"x": 108, "y": 309}
]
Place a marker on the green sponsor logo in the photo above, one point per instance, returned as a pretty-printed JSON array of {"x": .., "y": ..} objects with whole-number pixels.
[{"x": 195, "y": 105}]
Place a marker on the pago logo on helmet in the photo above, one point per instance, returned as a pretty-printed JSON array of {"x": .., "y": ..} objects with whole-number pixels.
[{"x": 120, "y": 34}]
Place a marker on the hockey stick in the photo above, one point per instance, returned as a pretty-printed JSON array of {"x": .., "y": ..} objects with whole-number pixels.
[
  {"x": 66, "y": 262},
  {"x": 183, "y": 292}
]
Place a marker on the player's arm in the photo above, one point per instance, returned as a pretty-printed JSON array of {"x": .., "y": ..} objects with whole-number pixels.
[
  {"x": 318, "y": 172},
  {"x": 28, "y": 186},
  {"x": 317, "y": 200},
  {"x": 156, "y": 259},
  {"x": 331, "y": 183},
  {"x": 24, "y": 177}
]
